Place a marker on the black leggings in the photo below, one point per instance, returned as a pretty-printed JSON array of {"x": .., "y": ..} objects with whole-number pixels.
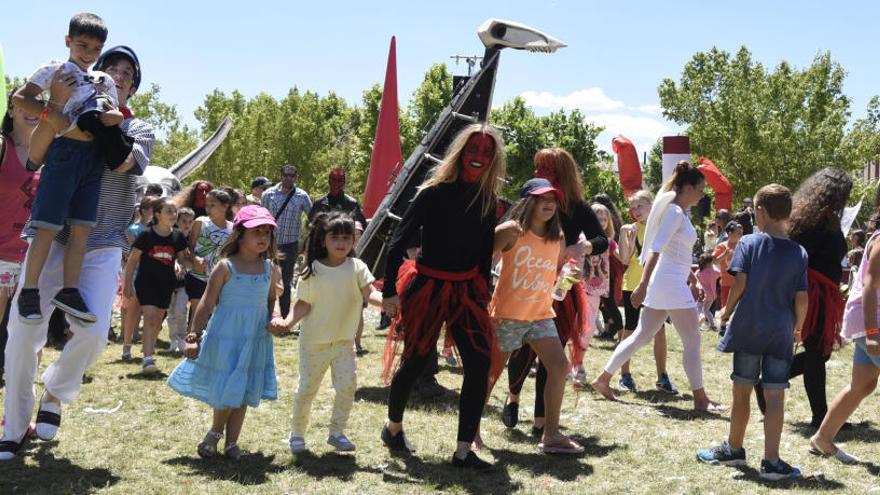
[
  {"x": 811, "y": 364},
  {"x": 518, "y": 370},
  {"x": 632, "y": 313},
  {"x": 611, "y": 315},
  {"x": 474, "y": 388}
]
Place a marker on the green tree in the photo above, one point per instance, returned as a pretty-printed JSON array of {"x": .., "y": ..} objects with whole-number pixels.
[
  {"x": 761, "y": 126},
  {"x": 174, "y": 140}
]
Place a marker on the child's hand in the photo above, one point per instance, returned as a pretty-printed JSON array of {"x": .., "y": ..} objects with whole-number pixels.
[
  {"x": 199, "y": 264},
  {"x": 191, "y": 351},
  {"x": 111, "y": 118},
  {"x": 391, "y": 305},
  {"x": 61, "y": 88},
  {"x": 277, "y": 327},
  {"x": 797, "y": 335}
]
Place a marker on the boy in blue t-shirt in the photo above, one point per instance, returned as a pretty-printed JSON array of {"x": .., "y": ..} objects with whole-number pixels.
[{"x": 770, "y": 298}]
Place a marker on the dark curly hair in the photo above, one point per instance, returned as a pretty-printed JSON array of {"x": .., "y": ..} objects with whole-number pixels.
[{"x": 819, "y": 201}]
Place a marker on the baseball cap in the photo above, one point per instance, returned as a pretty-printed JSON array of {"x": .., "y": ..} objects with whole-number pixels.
[
  {"x": 732, "y": 226},
  {"x": 253, "y": 216},
  {"x": 129, "y": 54},
  {"x": 537, "y": 187},
  {"x": 261, "y": 181}
]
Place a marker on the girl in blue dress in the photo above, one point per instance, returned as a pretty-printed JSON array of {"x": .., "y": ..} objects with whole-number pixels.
[{"x": 232, "y": 366}]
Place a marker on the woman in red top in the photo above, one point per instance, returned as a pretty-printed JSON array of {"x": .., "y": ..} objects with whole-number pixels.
[{"x": 17, "y": 186}]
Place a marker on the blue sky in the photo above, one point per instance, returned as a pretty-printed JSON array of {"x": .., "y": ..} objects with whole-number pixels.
[{"x": 618, "y": 51}]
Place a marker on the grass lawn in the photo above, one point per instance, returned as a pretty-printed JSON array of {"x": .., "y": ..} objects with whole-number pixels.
[{"x": 645, "y": 443}]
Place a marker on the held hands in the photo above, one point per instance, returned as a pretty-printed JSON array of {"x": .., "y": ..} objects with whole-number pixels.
[
  {"x": 698, "y": 292},
  {"x": 797, "y": 336},
  {"x": 192, "y": 345},
  {"x": 277, "y": 327},
  {"x": 391, "y": 305},
  {"x": 111, "y": 118}
]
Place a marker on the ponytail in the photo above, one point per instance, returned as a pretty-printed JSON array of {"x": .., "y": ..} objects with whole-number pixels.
[{"x": 684, "y": 174}]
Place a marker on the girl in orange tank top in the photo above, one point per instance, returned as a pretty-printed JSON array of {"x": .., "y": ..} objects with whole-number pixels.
[{"x": 530, "y": 244}]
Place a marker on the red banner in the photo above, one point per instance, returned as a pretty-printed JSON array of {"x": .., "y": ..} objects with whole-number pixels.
[{"x": 718, "y": 182}]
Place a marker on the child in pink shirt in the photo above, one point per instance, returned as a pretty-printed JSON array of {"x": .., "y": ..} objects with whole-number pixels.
[{"x": 708, "y": 275}]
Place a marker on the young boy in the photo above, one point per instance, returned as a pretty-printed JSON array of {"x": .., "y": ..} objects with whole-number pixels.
[
  {"x": 770, "y": 297},
  {"x": 177, "y": 312},
  {"x": 78, "y": 133}
]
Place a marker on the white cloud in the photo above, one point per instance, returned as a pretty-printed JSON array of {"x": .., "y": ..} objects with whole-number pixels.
[
  {"x": 588, "y": 100},
  {"x": 655, "y": 109},
  {"x": 633, "y": 127}
]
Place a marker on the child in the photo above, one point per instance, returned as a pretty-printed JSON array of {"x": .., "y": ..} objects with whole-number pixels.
[
  {"x": 208, "y": 234},
  {"x": 177, "y": 312},
  {"x": 71, "y": 180},
  {"x": 144, "y": 218},
  {"x": 531, "y": 248},
  {"x": 770, "y": 297},
  {"x": 153, "y": 253},
  {"x": 722, "y": 255},
  {"x": 131, "y": 310},
  {"x": 708, "y": 275},
  {"x": 330, "y": 296},
  {"x": 233, "y": 366},
  {"x": 597, "y": 275}
]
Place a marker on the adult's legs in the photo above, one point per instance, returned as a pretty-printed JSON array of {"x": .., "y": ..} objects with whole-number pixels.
[
  {"x": 21, "y": 350},
  {"x": 650, "y": 322},
  {"x": 290, "y": 252},
  {"x": 862, "y": 384},
  {"x": 74, "y": 254},
  {"x": 811, "y": 364},
  {"x": 474, "y": 387},
  {"x": 402, "y": 383}
]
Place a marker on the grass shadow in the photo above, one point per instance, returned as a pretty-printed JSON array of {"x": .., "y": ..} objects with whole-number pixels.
[
  {"x": 657, "y": 396},
  {"x": 148, "y": 377},
  {"x": 448, "y": 402},
  {"x": 330, "y": 465},
  {"x": 51, "y": 474},
  {"x": 686, "y": 414},
  {"x": 812, "y": 482},
  {"x": 443, "y": 476},
  {"x": 864, "y": 432},
  {"x": 251, "y": 469}
]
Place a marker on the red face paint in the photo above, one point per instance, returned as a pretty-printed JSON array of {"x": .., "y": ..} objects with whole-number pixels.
[
  {"x": 337, "y": 182},
  {"x": 548, "y": 171},
  {"x": 477, "y": 156},
  {"x": 202, "y": 191}
]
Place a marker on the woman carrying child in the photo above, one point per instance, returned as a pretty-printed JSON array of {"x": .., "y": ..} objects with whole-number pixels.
[{"x": 231, "y": 361}]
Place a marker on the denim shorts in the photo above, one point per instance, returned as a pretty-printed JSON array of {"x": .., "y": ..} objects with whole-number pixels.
[
  {"x": 70, "y": 183},
  {"x": 513, "y": 334},
  {"x": 750, "y": 369},
  {"x": 861, "y": 356}
]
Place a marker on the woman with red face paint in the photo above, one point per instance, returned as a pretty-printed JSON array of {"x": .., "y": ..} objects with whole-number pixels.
[
  {"x": 449, "y": 282},
  {"x": 194, "y": 196},
  {"x": 577, "y": 217}
]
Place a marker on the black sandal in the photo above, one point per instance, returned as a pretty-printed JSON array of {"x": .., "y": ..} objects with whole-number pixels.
[{"x": 50, "y": 419}]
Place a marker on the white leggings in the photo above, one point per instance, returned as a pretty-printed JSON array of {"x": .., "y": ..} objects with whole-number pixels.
[{"x": 687, "y": 323}]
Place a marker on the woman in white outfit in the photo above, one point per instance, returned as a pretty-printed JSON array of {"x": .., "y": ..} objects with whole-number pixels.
[{"x": 668, "y": 287}]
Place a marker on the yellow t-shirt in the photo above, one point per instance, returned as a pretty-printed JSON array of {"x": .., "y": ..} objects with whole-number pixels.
[
  {"x": 633, "y": 274},
  {"x": 528, "y": 275},
  {"x": 335, "y": 294}
]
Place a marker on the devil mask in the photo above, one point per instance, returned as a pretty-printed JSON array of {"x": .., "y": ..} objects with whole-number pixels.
[
  {"x": 477, "y": 156},
  {"x": 337, "y": 182},
  {"x": 546, "y": 169},
  {"x": 201, "y": 195}
]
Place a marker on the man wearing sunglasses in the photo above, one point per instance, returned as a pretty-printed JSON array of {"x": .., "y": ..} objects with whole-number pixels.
[{"x": 288, "y": 204}]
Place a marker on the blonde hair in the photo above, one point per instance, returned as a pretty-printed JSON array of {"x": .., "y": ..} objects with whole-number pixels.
[
  {"x": 609, "y": 230},
  {"x": 642, "y": 195},
  {"x": 448, "y": 170}
]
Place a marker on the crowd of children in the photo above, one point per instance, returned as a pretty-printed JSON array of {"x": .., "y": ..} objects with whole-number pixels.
[{"x": 207, "y": 262}]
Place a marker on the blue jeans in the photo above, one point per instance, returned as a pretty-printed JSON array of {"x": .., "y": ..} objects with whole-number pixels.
[
  {"x": 750, "y": 369},
  {"x": 70, "y": 183}
]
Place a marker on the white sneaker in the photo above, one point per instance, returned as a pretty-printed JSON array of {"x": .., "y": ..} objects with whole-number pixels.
[{"x": 297, "y": 444}]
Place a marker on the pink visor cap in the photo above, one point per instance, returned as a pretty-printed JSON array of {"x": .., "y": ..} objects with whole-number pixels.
[{"x": 252, "y": 216}]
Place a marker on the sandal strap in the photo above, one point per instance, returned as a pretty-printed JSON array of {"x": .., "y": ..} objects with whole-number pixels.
[
  {"x": 48, "y": 418},
  {"x": 215, "y": 434}
]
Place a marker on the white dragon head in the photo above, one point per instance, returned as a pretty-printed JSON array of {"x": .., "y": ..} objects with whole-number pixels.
[{"x": 497, "y": 33}]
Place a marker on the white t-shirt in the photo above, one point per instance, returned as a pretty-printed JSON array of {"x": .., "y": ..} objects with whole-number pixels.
[
  {"x": 91, "y": 89},
  {"x": 674, "y": 240},
  {"x": 335, "y": 294}
]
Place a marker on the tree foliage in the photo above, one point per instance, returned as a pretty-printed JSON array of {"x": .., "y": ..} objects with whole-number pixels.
[{"x": 762, "y": 126}]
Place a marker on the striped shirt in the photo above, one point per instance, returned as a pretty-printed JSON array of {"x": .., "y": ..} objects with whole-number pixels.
[
  {"x": 290, "y": 221},
  {"x": 116, "y": 203}
]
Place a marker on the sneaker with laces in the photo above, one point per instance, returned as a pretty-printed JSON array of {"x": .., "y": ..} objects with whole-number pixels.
[
  {"x": 665, "y": 384},
  {"x": 626, "y": 382},
  {"x": 340, "y": 442},
  {"x": 396, "y": 442},
  {"x": 29, "y": 306},
  {"x": 779, "y": 470},
  {"x": 71, "y": 302},
  {"x": 723, "y": 455},
  {"x": 149, "y": 366}
]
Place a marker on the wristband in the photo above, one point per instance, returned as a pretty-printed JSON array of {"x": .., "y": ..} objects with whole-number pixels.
[
  {"x": 872, "y": 331},
  {"x": 44, "y": 113}
]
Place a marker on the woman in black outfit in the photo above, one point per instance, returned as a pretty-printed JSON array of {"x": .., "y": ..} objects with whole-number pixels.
[
  {"x": 559, "y": 167},
  {"x": 448, "y": 283},
  {"x": 815, "y": 225}
]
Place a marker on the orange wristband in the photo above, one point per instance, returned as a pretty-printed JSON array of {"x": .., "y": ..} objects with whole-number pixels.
[
  {"x": 44, "y": 114},
  {"x": 871, "y": 331}
]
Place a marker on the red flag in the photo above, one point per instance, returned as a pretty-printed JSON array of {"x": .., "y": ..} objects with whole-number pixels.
[
  {"x": 627, "y": 165},
  {"x": 386, "y": 147},
  {"x": 718, "y": 182}
]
